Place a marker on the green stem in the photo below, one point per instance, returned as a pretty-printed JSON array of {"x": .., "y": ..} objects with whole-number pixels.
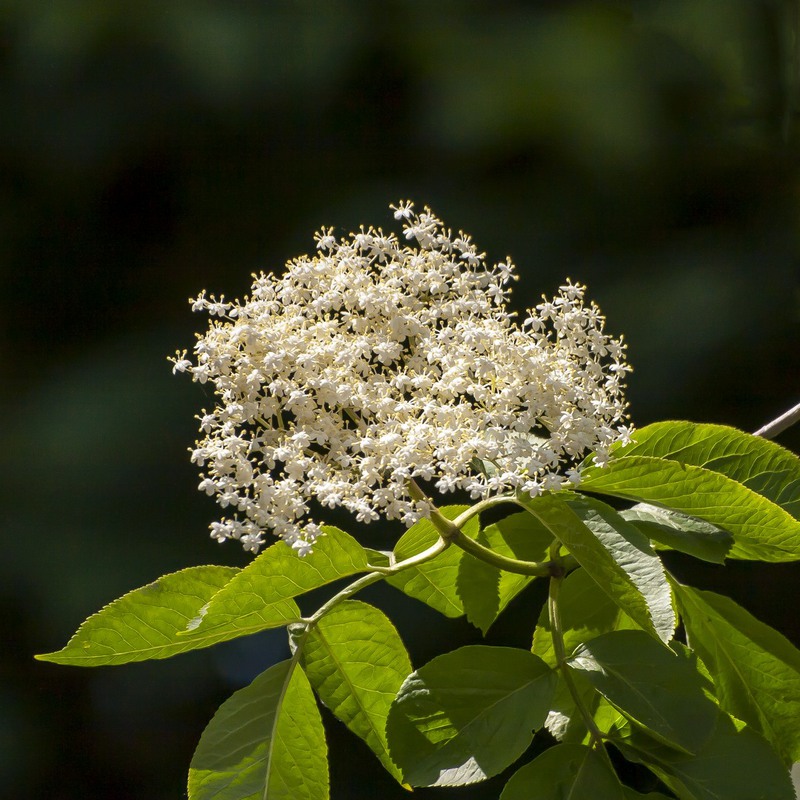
[
  {"x": 450, "y": 530},
  {"x": 557, "y": 632},
  {"x": 379, "y": 573},
  {"x": 539, "y": 569}
]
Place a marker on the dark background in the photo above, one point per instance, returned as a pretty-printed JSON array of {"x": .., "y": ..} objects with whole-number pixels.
[{"x": 150, "y": 149}]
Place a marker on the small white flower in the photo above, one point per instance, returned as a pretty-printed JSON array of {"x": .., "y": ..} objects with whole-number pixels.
[
  {"x": 180, "y": 362},
  {"x": 403, "y": 210}
]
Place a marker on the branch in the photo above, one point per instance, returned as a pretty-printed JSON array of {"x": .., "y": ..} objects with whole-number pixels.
[{"x": 779, "y": 425}]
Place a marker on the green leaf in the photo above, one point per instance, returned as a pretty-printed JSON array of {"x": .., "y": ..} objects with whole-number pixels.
[
  {"x": 660, "y": 690},
  {"x": 468, "y": 714},
  {"x": 378, "y": 558},
  {"x": 566, "y": 724},
  {"x": 761, "y": 529},
  {"x": 565, "y": 771},
  {"x": 265, "y": 741},
  {"x": 434, "y": 582},
  {"x": 632, "y": 794},
  {"x": 632, "y": 551},
  {"x": 608, "y": 562},
  {"x": 485, "y": 590},
  {"x": 732, "y": 765},
  {"x": 356, "y": 662},
  {"x": 260, "y": 596},
  {"x": 678, "y": 531},
  {"x": 756, "y": 670},
  {"x": 145, "y": 623},
  {"x": 759, "y": 464},
  {"x": 586, "y": 612}
]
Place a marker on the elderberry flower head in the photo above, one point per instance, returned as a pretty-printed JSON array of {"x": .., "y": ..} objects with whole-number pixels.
[{"x": 378, "y": 361}]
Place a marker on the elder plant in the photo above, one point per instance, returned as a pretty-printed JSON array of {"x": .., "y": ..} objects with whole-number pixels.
[{"x": 382, "y": 374}]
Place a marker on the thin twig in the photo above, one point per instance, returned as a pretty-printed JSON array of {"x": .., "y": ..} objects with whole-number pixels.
[{"x": 779, "y": 425}]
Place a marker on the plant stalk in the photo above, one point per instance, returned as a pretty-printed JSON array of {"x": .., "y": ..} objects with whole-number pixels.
[{"x": 557, "y": 632}]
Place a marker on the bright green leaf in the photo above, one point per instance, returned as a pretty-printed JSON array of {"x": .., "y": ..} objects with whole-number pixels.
[
  {"x": 756, "y": 670},
  {"x": 486, "y": 590},
  {"x": 265, "y": 741},
  {"x": 761, "y": 465},
  {"x": 145, "y": 623},
  {"x": 356, "y": 662},
  {"x": 632, "y": 551},
  {"x": 732, "y": 765},
  {"x": 761, "y": 529},
  {"x": 608, "y": 566},
  {"x": 434, "y": 582},
  {"x": 468, "y": 714},
  {"x": 378, "y": 558},
  {"x": 660, "y": 690},
  {"x": 678, "y": 531},
  {"x": 260, "y": 596},
  {"x": 570, "y": 771}
]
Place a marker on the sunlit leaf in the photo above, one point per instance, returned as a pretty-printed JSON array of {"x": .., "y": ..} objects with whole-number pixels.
[
  {"x": 608, "y": 565},
  {"x": 468, "y": 714},
  {"x": 756, "y": 670},
  {"x": 146, "y": 622},
  {"x": 356, "y": 663},
  {"x": 265, "y": 741},
  {"x": 759, "y": 464},
  {"x": 435, "y": 582},
  {"x": 761, "y": 529},
  {"x": 486, "y": 590},
  {"x": 260, "y": 596},
  {"x": 633, "y": 552}
]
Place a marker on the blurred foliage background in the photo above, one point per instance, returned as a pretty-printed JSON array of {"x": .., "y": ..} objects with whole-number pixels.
[{"x": 150, "y": 149}]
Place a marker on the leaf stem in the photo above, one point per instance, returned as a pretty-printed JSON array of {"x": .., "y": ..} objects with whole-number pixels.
[
  {"x": 450, "y": 530},
  {"x": 539, "y": 569},
  {"x": 557, "y": 632},
  {"x": 439, "y": 546}
]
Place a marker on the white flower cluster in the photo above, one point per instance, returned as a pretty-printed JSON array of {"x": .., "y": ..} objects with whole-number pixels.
[{"x": 376, "y": 362}]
